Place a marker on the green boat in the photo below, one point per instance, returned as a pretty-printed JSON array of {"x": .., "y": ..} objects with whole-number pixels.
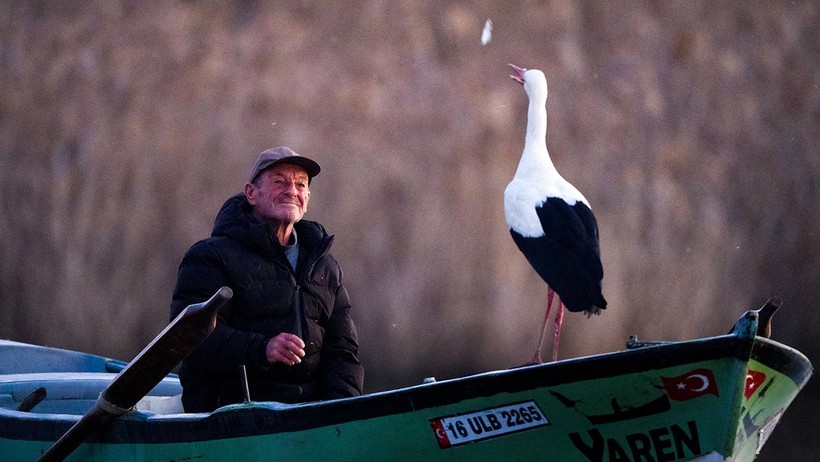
[{"x": 709, "y": 399}]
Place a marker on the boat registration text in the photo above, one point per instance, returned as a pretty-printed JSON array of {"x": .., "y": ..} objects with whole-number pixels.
[{"x": 488, "y": 423}]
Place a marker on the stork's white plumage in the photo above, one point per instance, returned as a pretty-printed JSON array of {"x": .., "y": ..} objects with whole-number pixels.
[{"x": 551, "y": 221}]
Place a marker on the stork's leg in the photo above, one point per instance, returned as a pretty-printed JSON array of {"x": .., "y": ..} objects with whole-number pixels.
[
  {"x": 536, "y": 357},
  {"x": 559, "y": 321}
]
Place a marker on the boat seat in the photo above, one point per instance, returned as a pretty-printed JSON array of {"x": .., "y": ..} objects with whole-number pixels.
[{"x": 161, "y": 404}]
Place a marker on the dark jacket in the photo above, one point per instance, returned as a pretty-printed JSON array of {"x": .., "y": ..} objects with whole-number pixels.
[{"x": 269, "y": 298}]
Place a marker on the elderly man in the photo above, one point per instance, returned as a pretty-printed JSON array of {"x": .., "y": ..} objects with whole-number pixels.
[{"x": 289, "y": 319}]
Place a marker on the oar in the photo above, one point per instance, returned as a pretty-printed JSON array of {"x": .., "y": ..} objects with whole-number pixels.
[{"x": 142, "y": 374}]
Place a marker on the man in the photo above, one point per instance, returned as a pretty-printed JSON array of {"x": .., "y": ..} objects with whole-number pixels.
[{"x": 289, "y": 319}]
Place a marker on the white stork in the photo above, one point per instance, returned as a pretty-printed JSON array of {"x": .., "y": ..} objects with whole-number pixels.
[{"x": 551, "y": 221}]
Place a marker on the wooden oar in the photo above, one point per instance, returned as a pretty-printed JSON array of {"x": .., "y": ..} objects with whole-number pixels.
[{"x": 142, "y": 374}]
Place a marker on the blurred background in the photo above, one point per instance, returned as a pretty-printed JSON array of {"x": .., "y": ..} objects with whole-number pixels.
[{"x": 692, "y": 127}]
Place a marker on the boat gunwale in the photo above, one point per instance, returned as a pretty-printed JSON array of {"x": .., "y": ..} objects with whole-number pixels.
[{"x": 784, "y": 359}]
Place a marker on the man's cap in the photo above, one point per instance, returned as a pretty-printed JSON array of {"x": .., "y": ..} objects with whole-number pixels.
[{"x": 283, "y": 155}]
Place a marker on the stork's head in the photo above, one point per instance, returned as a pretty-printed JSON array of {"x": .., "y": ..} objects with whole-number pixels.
[
  {"x": 518, "y": 73},
  {"x": 532, "y": 79}
]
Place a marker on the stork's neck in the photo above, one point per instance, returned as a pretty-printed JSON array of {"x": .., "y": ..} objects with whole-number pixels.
[{"x": 535, "y": 159}]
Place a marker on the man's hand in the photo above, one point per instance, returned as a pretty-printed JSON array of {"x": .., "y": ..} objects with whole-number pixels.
[{"x": 285, "y": 348}]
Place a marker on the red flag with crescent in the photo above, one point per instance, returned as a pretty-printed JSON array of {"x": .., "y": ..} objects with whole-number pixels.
[
  {"x": 441, "y": 434},
  {"x": 753, "y": 381},
  {"x": 690, "y": 385}
]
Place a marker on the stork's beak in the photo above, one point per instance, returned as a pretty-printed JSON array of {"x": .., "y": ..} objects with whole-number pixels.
[{"x": 518, "y": 73}]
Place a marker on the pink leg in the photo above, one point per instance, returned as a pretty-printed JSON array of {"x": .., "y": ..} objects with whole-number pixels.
[
  {"x": 536, "y": 357},
  {"x": 559, "y": 321}
]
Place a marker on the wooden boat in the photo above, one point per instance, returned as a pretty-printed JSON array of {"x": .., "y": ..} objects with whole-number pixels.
[{"x": 716, "y": 398}]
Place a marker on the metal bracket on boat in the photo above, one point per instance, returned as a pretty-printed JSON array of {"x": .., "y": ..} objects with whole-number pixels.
[
  {"x": 757, "y": 322},
  {"x": 243, "y": 379},
  {"x": 633, "y": 343}
]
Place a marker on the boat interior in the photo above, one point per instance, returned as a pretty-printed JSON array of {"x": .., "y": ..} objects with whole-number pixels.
[
  {"x": 69, "y": 382},
  {"x": 76, "y": 392}
]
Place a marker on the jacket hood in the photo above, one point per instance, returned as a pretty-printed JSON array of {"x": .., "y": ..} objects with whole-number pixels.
[{"x": 234, "y": 217}]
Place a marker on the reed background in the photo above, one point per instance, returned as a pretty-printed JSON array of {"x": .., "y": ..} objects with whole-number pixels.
[{"x": 691, "y": 126}]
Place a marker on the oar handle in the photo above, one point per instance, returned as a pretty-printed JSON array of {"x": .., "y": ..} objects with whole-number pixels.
[{"x": 142, "y": 374}]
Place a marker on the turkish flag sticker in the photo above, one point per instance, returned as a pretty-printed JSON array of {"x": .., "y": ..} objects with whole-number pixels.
[
  {"x": 690, "y": 385},
  {"x": 753, "y": 380},
  {"x": 441, "y": 434}
]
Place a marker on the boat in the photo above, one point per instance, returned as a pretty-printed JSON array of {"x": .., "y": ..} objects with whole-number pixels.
[{"x": 708, "y": 399}]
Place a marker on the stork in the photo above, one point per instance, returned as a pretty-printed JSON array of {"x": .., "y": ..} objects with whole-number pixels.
[{"x": 551, "y": 221}]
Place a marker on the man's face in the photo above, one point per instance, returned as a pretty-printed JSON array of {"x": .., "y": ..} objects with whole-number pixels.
[{"x": 280, "y": 194}]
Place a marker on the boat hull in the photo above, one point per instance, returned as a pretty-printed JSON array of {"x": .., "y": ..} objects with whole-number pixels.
[{"x": 707, "y": 399}]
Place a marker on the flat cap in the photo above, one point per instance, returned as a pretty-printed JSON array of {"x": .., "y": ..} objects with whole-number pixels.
[{"x": 283, "y": 155}]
